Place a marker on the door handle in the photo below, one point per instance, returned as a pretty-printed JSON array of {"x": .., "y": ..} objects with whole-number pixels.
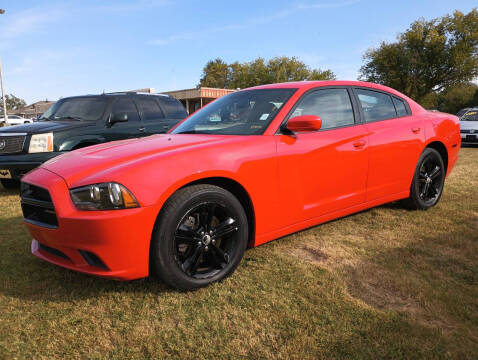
[
  {"x": 141, "y": 129},
  {"x": 359, "y": 144},
  {"x": 166, "y": 127},
  {"x": 416, "y": 130}
]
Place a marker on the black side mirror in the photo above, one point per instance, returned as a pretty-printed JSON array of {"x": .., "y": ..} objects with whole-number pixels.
[{"x": 118, "y": 118}]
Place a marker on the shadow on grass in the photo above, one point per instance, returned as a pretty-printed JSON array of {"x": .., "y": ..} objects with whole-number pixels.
[
  {"x": 26, "y": 277},
  {"x": 9, "y": 192}
]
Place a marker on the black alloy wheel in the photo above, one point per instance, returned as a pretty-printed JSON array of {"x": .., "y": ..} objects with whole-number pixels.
[
  {"x": 428, "y": 181},
  {"x": 205, "y": 240},
  {"x": 200, "y": 237}
]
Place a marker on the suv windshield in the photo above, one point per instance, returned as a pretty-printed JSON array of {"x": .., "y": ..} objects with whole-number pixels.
[
  {"x": 470, "y": 116},
  {"x": 246, "y": 112},
  {"x": 87, "y": 108}
]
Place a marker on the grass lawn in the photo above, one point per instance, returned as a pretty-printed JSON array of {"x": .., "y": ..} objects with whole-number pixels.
[{"x": 385, "y": 283}]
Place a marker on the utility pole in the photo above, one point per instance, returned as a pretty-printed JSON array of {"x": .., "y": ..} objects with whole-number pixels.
[{"x": 5, "y": 116}]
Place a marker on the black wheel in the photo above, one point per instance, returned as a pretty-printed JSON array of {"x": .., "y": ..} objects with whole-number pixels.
[
  {"x": 428, "y": 181},
  {"x": 200, "y": 237},
  {"x": 10, "y": 183}
]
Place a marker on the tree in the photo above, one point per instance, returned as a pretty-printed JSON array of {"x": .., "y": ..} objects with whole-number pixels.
[
  {"x": 429, "y": 56},
  {"x": 217, "y": 73},
  {"x": 458, "y": 97},
  {"x": 13, "y": 102}
]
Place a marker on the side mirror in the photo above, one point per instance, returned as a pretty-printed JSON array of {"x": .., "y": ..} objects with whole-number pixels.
[
  {"x": 118, "y": 118},
  {"x": 304, "y": 123}
]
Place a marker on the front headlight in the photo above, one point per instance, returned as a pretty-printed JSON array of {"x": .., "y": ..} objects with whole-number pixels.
[
  {"x": 41, "y": 143},
  {"x": 104, "y": 196}
]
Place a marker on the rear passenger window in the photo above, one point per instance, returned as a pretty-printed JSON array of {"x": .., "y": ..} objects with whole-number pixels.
[
  {"x": 174, "y": 109},
  {"x": 150, "y": 109},
  {"x": 332, "y": 105},
  {"x": 127, "y": 106},
  {"x": 400, "y": 107},
  {"x": 376, "y": 105}
]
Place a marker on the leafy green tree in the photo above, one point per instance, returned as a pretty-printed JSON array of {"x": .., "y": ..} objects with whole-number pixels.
[
  {"x": 217, "y": 73},
  {"x": 13, "y": 102},
  {"x": 258, "y": 73},
  {"x": 283, "y": 69},
  {"x": 429, "y": 56},
  {"x": 458, "y": 97}
]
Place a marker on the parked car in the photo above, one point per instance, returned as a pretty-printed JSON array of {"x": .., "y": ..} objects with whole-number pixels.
[
  {"x": 469, "y": 127},
  {"x": 80, "y": 121},
  {"x": 16, "y": 120},
  {"x": 248, "y": 168}
]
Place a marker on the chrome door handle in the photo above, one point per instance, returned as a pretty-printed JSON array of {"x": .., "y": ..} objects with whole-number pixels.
[{"x": 141, "y": 129}]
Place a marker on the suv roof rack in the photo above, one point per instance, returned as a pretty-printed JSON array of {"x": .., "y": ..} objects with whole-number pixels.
[{"x": 134, "y": 92}]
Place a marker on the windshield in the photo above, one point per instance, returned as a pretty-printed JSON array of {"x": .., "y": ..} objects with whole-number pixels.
[
  {"x": 470, "y": 116},
  {"x": 87, "y": 108},
  {"x": 246, "y": 112}
]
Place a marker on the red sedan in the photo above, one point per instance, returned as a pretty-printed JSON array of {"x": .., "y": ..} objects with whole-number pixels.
[{"x": 248, "y": 168}]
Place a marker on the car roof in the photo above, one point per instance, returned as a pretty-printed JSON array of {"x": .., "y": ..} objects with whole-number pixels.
[
  {"x": 312, "y": 84},
  {"x": 305, "y": 85},
  {"x": 114, "y": 94}
]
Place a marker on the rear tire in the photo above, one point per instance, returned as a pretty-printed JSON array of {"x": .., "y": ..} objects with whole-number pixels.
[
  {"x": 428, "y": 181},
  {"x": 200, "y": 237},
  {"x": 10, "y": 183}
]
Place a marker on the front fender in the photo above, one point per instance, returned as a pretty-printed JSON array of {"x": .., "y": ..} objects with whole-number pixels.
[{"x": 72, "y": 142}]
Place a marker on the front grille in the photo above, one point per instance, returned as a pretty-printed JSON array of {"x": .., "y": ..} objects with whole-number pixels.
[
  {"x": 37, "y": 206},
  {"x": 471, "y": 131},
  {"x": 12, "y": 143}
]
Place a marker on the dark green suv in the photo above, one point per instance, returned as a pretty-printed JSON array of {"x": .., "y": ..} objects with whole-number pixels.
[{"x": 80, "y": 121}]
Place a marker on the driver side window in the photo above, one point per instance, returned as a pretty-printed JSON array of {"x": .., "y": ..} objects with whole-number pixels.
[
  {"x": 126, "y": 106},
  {"x": 332, "y": 105}
]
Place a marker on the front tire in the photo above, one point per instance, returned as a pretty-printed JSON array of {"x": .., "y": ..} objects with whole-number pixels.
[
  {"x": 200, "y": 237},
  {"x": 428, "y": 181},
  {"x": 10, "y": 183}
]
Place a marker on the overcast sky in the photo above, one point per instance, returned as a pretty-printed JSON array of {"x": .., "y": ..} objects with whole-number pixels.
[{"x": 51, "y": 49}]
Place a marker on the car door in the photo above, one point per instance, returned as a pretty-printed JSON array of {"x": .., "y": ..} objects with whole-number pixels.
[
  {"x": 396, "y": 139},
  {"x": 173, "y": 110},
  {"x": 324, "y": 171},
  {"x": 153, "y": 118},
  {"x": 131, "y": 128}
]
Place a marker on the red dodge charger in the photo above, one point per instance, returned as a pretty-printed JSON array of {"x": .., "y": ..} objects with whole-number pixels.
[{"x": 248, "y": 168}]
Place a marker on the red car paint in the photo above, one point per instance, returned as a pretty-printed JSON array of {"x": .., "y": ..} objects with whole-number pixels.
[{"x": 293, "y": 182}]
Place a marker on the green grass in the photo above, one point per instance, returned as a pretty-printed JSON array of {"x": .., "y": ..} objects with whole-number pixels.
[{"x": 385, "y": 283}]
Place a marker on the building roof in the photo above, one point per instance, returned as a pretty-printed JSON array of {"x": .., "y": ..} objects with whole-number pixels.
[
  {"x": 201, "y": 92},
  {"x": 38, "y": 107}
]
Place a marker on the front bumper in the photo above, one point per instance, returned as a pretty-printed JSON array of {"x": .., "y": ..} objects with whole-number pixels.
[
  {"x": 19, "y": 164},
  {"x": 119, "y": 238},
  {"x": 469, "y": 138}
]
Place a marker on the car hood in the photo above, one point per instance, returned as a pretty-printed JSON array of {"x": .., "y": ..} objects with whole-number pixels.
[
  {"x": 469, "y": 125},
  {"x": 79, "y": 165},
  {"x": 44, "y": 126}
]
